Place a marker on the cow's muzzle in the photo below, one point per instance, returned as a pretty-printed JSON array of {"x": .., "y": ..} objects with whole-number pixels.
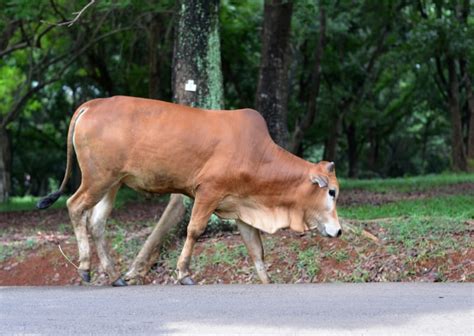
[{"x": 331, "y": 231}]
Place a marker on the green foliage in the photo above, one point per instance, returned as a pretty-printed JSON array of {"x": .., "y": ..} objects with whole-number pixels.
[{"x": 240, "y": 49}]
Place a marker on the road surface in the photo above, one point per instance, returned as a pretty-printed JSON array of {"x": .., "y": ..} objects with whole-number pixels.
[{"x": 310, "y": 309}]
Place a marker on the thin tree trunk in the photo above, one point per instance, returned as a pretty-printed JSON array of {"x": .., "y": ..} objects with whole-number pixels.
[
  {"x": 153, "y": 60},
  {"x": 5, "y": 166},
  {"x": 458, "y": 154},
  {"x": 352, "y": 153},
  {"x": 373, "y": 149},
  {"x": 308, "y": 119},
  {"x": 469, "y": 94},
  {"x": 470, "y": 134},
  {"x": 272, "y": 90},
  {"x": 425, "y": 143},
  {"x": 331, "y": 142}
]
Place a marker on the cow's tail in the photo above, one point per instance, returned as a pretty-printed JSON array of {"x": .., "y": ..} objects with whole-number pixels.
[{"x": 47, "y": 201}]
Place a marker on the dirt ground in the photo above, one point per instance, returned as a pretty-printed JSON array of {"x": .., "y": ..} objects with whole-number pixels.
[{"x": 220, "y": 258}]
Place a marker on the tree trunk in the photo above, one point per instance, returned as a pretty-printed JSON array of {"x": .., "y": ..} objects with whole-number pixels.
[
  {"x": 331, "y": 142},
  {"x": 5, "y": 166},
  {"x": 308, "y": 119},
  {"x": 470, "y": 134},
  {"x": 352, "y": 149},
  {"x": 197, "y": 81},
  {"x": 373, "y": 150},
  {"x": 197, "y": 75},
  {"x": 153, "y": 60},
  {"x": 465, "y": 11},
  {"x": 458, "y": 153},
  {"x": 154, "y": 79},
  {"x": 272, "y": 89}
]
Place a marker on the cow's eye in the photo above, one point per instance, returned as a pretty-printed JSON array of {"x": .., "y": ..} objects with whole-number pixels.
[{"x": 332, "y": 193}]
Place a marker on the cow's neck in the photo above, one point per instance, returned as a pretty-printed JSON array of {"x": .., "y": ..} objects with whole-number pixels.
[
  {"x": 283, "y": 176},
  {"x": 284, "y": 172}
]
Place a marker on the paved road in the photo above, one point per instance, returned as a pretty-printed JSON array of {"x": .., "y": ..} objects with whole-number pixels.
[{"x": 319, "y": 309}]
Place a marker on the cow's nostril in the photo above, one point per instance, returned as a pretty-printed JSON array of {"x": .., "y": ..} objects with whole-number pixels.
[{"x": 339, "y": 232}]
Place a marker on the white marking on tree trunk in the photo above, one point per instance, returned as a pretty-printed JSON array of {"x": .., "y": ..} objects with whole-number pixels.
[{"x": 190, "y": 86}]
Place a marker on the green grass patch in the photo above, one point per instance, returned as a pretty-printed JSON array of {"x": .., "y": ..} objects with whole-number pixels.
[
  {"x": 454, "y": 208},
  {"x": 308, "y": 260},
  {"x": 406, "y": 184},
  {"x": 6, "y": 251},
  {"x": 412, "y": 230},
  {"x": 338, "y": 255},
  {"x": 28, "y": 203},
  {"x": 414, "y": 221}
]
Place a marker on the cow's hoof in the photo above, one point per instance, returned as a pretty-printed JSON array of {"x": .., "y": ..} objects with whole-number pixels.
[
  {"x": 85, "y": 275},
  {"x": 187, "y": 280},
  {"x": 119, "y": 283},
  {"x": 134, "y": 281},
  {"x": 133, "y": 278}
]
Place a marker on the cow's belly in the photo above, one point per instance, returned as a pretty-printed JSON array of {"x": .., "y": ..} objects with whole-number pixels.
[{"x": 155, "y": 183}]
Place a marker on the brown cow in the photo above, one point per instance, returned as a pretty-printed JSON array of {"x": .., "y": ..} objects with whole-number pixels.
[{"x": 225, "y": 160}]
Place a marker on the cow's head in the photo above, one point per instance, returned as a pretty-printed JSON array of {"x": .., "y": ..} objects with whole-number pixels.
[{"x": 321, "y": 210}]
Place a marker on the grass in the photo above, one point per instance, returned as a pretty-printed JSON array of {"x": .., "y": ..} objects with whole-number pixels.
[
  {"x": 457, "y": 207},
  {"x": 406, "y": 184},
  {"x": 26, "y": 203},
  {"x": 413, "y": 221},
  {"x": 338, "y": 255},
  {"x": 6, "y": 251},
  {"x": 308, "y": 260}
]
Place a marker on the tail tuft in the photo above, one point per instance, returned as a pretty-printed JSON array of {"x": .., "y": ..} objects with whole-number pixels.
[{"x": 47, "y": 201}]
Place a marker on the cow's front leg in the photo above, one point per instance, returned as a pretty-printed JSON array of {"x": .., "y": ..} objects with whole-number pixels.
[
  {"x": 200, "y": 214},
  {"x": 253, "y": 241}
]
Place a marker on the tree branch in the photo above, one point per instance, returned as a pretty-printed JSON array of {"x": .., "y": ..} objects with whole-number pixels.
[
  {"x": 13, "y": 48},
  {"x": 78, "y": 15},
  {"x": 22, "y": 100}
]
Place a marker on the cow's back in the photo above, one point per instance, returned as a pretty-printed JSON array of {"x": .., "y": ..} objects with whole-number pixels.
[{"x": 163, "y": 147}]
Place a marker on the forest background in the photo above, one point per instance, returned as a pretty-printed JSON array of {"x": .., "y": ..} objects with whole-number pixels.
[{"x": 383, "y": 88}]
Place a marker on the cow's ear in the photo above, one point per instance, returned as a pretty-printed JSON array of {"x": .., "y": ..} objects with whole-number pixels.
[
  {"x": 320, "y": 180},
  {"x": 330, "y": 167}
]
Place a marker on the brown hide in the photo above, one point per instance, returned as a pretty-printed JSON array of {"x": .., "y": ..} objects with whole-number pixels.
[{"x": 159, "y": 147}]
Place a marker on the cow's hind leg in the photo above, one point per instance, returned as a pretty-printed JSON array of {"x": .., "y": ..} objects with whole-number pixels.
[
  {"x": 97, "y": 221},
  {"x": 200, "y": 214},
  {"x": 253, "y": 241},
  {"x": 79, "y": 207}
]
